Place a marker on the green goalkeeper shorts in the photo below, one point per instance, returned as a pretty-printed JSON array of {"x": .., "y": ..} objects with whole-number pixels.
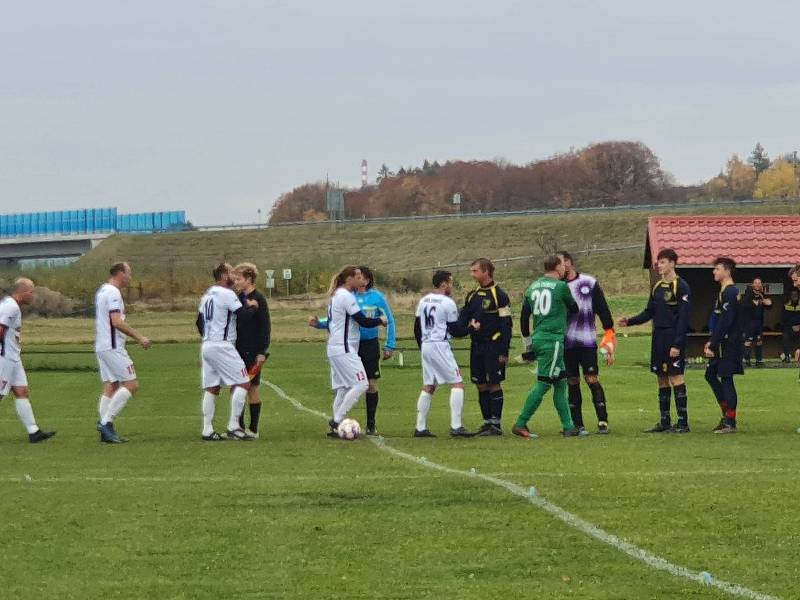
[{"x": 550, "y": 359}]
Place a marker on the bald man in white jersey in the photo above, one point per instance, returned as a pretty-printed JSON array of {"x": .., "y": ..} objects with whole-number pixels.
[
  {"x": 12, "y": 373},
  {"x": 116, "y": 367}
]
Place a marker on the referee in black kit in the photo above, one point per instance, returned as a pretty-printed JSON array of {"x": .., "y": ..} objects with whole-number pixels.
[
  {"x": 252, "y": 340},
  {"x": 491, "y": 307}
]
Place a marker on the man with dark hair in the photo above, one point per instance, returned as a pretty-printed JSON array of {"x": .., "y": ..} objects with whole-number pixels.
[
  {"x": 252, "y": 340},
  {"x": 580, "y": 343},
  {"x": 725, "y": 346},
  {"x": 435, "y": 323},
  {"x": 490, "y": 306},
  {"x": 668, "y": 309},
  {"x": 373, "y": 304},
  {"x": 549, "y": 301},
  {"x": 753, "y": 303}
]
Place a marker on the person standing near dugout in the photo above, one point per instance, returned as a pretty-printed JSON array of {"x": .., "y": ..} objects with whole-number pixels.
[
  {"x": 668, "y": 309},
  {"x": 753, "y": 304},
  {"x": 490, "y": 306},
  {"x": 252, "y": 340}
]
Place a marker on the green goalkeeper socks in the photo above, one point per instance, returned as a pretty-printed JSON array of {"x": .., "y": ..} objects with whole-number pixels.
[
  {"x": 533, "y": 401},
  {"x": 560, "y": 399}
]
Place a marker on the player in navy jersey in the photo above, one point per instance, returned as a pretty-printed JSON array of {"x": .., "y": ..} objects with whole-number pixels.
[
  {"x": 668, "y": 309},
  {"x": 580, "y": 343},
  {"x": 724, "y": 349}
]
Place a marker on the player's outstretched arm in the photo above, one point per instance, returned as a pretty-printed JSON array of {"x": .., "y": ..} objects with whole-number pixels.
[
  {"x": 365, "y": 321},
  {"x": 119, "y": 323},
  {"x": 642, "y": 317},
  {"x": 390, "y": 326}
]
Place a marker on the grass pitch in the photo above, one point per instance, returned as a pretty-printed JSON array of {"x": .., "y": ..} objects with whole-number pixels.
[{"x": 298, "y": 515}]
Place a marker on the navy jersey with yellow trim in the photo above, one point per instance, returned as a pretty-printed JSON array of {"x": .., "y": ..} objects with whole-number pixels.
[
  {"x": 668, "y": 308},
  {"x": 725, "y": 320},
  {"x": 491, "y": 307}
]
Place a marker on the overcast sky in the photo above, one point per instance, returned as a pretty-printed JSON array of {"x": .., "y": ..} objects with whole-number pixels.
[{"x": 219, "y": 107}]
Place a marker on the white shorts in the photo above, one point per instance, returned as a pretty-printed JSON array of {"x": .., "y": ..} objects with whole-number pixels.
[
  {"x": 12, "y": 374},
  {"x": 222, "y": 365},
  {"x": 347, "y": 371},
  {"x": 439, "y": 365},
  {"x": 115, "y": 365}
]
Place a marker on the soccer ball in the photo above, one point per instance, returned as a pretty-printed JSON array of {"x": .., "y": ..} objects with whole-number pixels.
[{"x": 349, "y": 429}]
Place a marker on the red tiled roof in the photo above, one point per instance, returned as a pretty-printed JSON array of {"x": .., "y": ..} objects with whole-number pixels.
[{"x": 749, "y": 240}]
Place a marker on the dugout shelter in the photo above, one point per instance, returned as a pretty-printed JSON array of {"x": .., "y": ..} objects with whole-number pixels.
[{"x": 762, "y": 246}]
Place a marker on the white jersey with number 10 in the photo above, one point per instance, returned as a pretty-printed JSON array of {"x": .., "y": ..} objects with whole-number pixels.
[{"x": 218, "y": 307}]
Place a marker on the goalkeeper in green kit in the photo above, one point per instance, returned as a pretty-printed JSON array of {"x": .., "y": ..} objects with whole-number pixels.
[{"x": 548, "y": 300}]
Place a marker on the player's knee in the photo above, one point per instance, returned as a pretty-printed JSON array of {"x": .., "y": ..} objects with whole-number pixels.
[
  {"x": 214, "y": 390},
  {"x": 676, "y": 380},
  {"x": 22, "y": 391},
  {"x": 429, "y": 389},
  {"x": 573, "y": 380},
  {"x": 495, "y": 387},
  {"x": 132, "y": 386},
  {"x": 590, "y": 379},
  {"x": 457, "y": 386},
  {"x": 373, "y": 386},
  {"x": 663, "y": 381},
  {"x": 244, "y": 386}
]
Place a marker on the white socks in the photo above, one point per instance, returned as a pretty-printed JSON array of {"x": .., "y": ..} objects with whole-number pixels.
[
  {"x": 456, "y": 407},
  {"x": 337, "y": 401},
  {"x": 423, "y": 407},
  {"x": 25, "y": 414},
  {"x": 238, "y": 398},
  {"x": 102, "y": 406},
  {"x": 115, "y": 405},
  {"x": 209, "y": 405},
  {"x": 349, "y": 400}
]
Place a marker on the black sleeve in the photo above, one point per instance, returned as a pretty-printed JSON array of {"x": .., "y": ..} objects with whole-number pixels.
[
  {"x": 645, "y": 315},
  {"x": 267, "y": 328},
  {"x": 684, "y": 307},
  {"x": 365, "y": 321},
  {"x": 418, "y": 332},
  {"x": 465, "y": 315},
  {"x": 455, "y": 329},
  {"x": 726, "y": 320},
  {"x": 200, "y": 323},
  {"x": 600, "y": 307},
  {"x": 525, "y": 319}
]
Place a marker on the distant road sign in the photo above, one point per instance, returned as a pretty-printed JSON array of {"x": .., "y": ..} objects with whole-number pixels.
[
  {"x": 287, "y": 274},
  {"x": 269, "y": 273},
  {"x": 270, "y": 283}
]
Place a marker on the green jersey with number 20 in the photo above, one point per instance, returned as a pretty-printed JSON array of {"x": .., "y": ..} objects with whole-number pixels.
[{"x": 549, "y": 301}]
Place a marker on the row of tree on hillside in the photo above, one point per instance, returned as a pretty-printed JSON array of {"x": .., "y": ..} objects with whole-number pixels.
[
  {"x": 758, "y": 177},
  {"x": 608, "y": 173}
]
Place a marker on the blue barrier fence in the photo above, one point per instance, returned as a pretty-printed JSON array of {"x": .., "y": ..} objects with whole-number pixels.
[{"x": 89, "y": 221}]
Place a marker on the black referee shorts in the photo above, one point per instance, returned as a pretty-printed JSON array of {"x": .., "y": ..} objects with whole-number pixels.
[
  {"x": 484, "y": 364},
  {"x": 369, "y": 351}
]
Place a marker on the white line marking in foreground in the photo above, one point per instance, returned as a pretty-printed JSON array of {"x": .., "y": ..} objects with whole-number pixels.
[{"x": 650, "y": 559}]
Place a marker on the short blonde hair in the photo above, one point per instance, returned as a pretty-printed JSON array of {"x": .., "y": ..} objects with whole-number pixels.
[{"x": 248, "y": 271}]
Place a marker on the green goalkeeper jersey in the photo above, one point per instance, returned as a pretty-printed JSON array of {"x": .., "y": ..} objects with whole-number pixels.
[{"x": 548, "y": 302}]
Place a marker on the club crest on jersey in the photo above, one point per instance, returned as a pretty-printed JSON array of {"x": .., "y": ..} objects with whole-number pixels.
[{"x": 487, "y": 303}]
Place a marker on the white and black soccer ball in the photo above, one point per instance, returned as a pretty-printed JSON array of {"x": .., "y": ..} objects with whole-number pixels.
[{"x": 349, "y": 429}]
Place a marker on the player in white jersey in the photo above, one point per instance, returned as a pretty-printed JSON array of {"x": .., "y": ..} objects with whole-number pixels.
[
  {"x": 12, "y": 373},
  {"x": 116, "y": 368},
  {"x": 435, "y": 323},
  {"x": 218, "y": 314},
  {"x": 345, "y": 318}
]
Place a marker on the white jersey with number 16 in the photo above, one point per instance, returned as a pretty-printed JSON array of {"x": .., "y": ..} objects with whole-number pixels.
[{"x": 435, "y": 311}]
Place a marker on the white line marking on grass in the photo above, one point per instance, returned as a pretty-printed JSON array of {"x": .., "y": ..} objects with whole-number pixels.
[{"x": 632, "y": 550}]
